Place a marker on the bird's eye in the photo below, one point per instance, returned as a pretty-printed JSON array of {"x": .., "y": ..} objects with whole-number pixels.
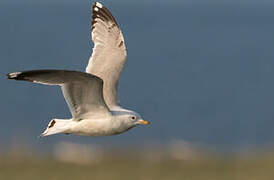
[{"x": 133, "y": 117}]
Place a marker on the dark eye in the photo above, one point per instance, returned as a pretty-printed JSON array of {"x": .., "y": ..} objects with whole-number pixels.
[{"x": 133, "y": 117}]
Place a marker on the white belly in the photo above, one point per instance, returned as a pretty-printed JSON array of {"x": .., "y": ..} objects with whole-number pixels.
[{"x": 95, "y": 127}]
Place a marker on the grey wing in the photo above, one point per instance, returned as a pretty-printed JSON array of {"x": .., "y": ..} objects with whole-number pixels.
[
  {"x": 109, "y": 52},
  {"x": 83, "y": 92},
  {"x": 84, "y": 98}
]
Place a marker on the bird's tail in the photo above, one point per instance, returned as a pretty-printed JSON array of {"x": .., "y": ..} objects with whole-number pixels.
[{"x": 56, "y": 126}]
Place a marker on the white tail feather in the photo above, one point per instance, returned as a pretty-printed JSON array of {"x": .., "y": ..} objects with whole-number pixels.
[{"x": 56, "y": 126}]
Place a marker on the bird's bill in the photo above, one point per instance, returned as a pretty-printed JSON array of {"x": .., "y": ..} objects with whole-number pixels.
[{"x": 143, "y": 122}]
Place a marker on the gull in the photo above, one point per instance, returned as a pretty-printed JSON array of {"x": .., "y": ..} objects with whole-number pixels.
[{"x": 92, "y": 95}]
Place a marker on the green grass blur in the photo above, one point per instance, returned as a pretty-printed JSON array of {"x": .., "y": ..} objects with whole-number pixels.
[{"x": 133, "y": 167}]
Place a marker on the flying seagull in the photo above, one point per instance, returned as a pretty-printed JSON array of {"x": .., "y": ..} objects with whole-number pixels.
[{"x": 92, "y": 95}]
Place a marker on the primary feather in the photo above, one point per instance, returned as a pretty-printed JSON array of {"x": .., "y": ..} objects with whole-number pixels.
[
  {"x": 109, "y": 52},
  {"x": 83, "y": 92}
]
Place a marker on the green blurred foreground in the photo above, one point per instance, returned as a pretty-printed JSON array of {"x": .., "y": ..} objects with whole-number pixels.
[{"x": 133, "y": 167}]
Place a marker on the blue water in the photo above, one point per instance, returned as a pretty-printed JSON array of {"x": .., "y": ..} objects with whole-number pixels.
[{"x": 201, "y": 72}]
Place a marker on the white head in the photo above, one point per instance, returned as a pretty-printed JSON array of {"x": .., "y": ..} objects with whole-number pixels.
[
  {"x": 136, "y": 119},
  {"x": 130, "y": 119}
]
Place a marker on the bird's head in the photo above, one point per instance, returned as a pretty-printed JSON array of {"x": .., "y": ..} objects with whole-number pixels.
[
  {"x": 136, "y": 119},
  {"x": 131, "y": 119}
]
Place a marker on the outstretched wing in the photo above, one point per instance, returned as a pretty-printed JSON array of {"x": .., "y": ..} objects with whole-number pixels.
[
  {"x": 109, "y": 52},
  {"x": 83, "y": 92}
]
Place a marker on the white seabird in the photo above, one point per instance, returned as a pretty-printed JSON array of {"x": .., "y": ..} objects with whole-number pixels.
[{"x": 91, "y": 95}]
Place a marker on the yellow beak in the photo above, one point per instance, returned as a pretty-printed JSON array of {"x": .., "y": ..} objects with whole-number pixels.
[{"x": 143, "y": 122}]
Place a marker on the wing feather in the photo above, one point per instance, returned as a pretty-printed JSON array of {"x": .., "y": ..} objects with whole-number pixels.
[
  {"x": 83, "y": 92},
  {"x": 109, "y": 52}
]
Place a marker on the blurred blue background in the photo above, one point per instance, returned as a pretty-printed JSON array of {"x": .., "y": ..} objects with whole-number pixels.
[{"x": 200, "y": 71}]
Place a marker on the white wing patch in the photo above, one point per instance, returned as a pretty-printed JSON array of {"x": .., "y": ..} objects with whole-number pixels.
[
  {"x": 96, "y": 9},
  {"x": 14, "y": 75},
  {"x": 99, "y": 5}
]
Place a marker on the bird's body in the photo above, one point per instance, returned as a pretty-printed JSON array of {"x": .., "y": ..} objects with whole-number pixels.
[
  {"x": 91, "y": 95},
  {"x": 93, "y": 125}
]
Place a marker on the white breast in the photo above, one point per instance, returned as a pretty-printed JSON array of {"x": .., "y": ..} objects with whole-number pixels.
[{"x": 96, "y": 127}]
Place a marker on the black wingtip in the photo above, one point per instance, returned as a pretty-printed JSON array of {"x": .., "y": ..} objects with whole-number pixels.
[
  {"x": 100, "y": 11},
  {"x": 98, "y": 4},
  {"x": 8, "y": 76},
  {"x": 14, "y": 75}
]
